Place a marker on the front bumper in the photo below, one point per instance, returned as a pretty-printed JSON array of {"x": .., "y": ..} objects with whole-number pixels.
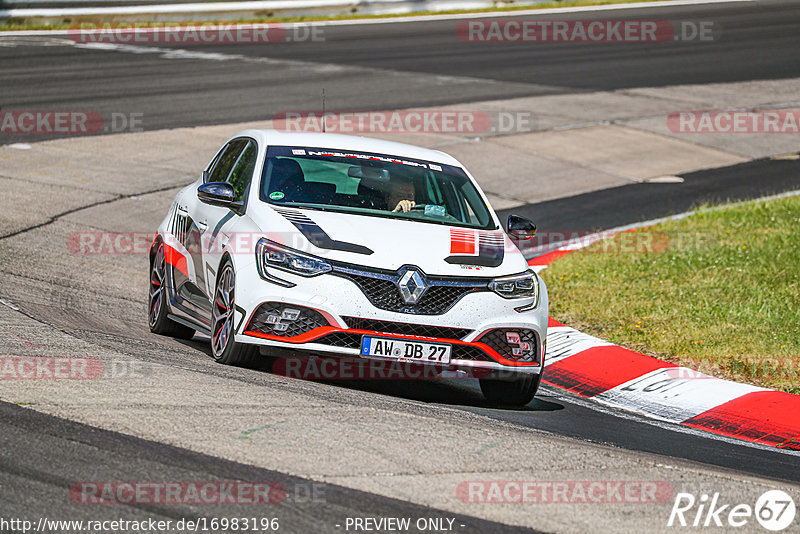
[{"x": 474, "y": 326}]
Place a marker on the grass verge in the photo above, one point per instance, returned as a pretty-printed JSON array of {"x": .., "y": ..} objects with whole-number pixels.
[
  {"x": 718, "y": 291},
  {"x": 18, "y": 24}
]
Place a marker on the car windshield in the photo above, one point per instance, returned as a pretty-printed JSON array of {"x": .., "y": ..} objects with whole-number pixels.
[{"x": 375, "y": 185}]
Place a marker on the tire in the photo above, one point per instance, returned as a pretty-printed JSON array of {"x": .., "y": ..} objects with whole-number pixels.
[
  {"x": 158, "y": 301},
  {"x": 518, "y": 392},
  {"x": 223, "y": 346}
]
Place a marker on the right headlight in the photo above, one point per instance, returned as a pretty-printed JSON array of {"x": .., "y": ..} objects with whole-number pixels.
[
  {"x": 523, "y": 285},
  {"x": 271, "y": 254}
]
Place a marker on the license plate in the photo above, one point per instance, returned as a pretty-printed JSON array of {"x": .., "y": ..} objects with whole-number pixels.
[{"x": 413, "y": 351}]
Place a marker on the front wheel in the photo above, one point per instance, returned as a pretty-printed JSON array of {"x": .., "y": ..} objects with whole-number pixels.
[
  {"x": 225, "y": 349},
  {"x": 517, "y": 392}
]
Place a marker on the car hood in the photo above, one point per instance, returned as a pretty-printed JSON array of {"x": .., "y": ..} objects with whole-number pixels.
[{"x": 391, "y": 243}]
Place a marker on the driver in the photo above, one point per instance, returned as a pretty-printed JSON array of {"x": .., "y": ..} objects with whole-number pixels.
[{"x": 401, "y": 194}]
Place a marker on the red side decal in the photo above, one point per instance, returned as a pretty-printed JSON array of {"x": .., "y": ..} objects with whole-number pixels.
[
  {"x": 176, "y": 259},
  {"x": 768, "y": 417},
  {"x": 599, "y": 369}
]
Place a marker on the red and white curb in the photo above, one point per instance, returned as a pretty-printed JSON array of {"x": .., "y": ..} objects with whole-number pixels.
[{"x": 617, "y": 377}]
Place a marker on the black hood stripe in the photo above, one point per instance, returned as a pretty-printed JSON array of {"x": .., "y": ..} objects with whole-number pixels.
[{"x": 317, "y": 236}]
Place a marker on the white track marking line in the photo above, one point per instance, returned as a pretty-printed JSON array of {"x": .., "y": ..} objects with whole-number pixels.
[
  {"x": 180, "y": 53},
  {"x": 8, "y": 305}
]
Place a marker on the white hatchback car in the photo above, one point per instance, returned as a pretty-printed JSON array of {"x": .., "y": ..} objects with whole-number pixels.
[{"x": 337, "y": 245}]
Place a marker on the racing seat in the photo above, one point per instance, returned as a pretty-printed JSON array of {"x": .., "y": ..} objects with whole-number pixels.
[
  {"x": 319, "y": 192},
  {"x": 371, "y": 198}
]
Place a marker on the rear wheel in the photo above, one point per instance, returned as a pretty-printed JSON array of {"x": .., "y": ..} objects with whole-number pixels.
[
  {"x": 517, "y": 392},
  {"x": 157, "y": 319},
  {"x": 225, "y": 349}
]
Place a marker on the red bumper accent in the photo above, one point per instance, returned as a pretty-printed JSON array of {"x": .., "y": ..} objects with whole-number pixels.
[{"x": 316, "y": 333}]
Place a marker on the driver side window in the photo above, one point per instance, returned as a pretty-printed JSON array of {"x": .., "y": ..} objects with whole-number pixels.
[
  {"x": 221, "y": 168},
  {"x": 242, "y": 172}
]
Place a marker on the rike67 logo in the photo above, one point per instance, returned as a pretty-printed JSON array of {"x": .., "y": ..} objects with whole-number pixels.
[{"x": 774, "y": 510}]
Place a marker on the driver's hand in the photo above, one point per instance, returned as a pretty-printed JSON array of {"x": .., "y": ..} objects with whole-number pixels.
[{"x": 404, "y": 206}]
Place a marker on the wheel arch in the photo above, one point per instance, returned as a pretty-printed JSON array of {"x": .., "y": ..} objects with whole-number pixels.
[
  {"x": 157, "y": 240},
  {"x": 226, "y": 257}
]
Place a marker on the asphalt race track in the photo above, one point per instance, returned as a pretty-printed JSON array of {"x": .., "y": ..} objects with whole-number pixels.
[
  {"x": 202, "y": 413},
  {"x": 393, "y": 66},
  {"x": 629, "y": 204},
  {"x": 118, "y": 457}
]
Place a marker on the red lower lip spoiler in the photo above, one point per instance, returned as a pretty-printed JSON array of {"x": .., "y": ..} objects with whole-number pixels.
[{"x": 317, "y": 333}]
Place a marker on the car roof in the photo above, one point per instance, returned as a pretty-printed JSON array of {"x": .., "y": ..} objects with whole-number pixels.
[{"x": 356, "y": 143}]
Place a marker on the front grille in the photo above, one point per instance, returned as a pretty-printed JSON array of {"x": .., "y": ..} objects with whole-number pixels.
[
  {"x": 410, "y": 329},
  {"x": 382, "y": 293},
  {"x": 341, "y": 339},
  {"x": 380, "y": 287},
  {"x": 504, "y": 341},
  {"x": 285, "y": 320},
  {"x": 468, "y": 352}
]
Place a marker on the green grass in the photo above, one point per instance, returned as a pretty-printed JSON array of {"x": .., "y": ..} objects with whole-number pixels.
[
  {"x": 718, "y": 291},
  {"x": 14, "y": 24}
]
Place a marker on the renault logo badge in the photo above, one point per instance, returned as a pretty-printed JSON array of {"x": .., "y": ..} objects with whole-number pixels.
[{"x": 412, "y": 285}]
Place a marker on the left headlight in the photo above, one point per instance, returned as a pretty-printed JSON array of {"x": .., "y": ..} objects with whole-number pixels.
[
  {"x": 517, "y": 286},
  {"x": 271, "y": 254}
]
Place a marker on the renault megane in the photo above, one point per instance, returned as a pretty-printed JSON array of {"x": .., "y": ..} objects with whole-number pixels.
[{"x": 346, "y": 246}]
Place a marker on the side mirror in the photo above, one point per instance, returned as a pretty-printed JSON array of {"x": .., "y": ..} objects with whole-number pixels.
[
  {"x": 218, "y": 194},
  {"x": 520, "y": 228}
]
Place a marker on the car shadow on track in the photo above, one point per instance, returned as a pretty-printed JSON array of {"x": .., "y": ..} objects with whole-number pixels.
[
  {"x": 203, "y": 344},
  {"x": 465, "y": 392},
  {"x": 448, "y": 391}
]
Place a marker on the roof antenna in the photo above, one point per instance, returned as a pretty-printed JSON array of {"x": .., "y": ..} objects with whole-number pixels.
[{"x": 323, "y": 110}]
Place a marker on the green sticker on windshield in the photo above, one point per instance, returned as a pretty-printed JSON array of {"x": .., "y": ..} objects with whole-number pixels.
[{"x": 277, "y": 195}]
